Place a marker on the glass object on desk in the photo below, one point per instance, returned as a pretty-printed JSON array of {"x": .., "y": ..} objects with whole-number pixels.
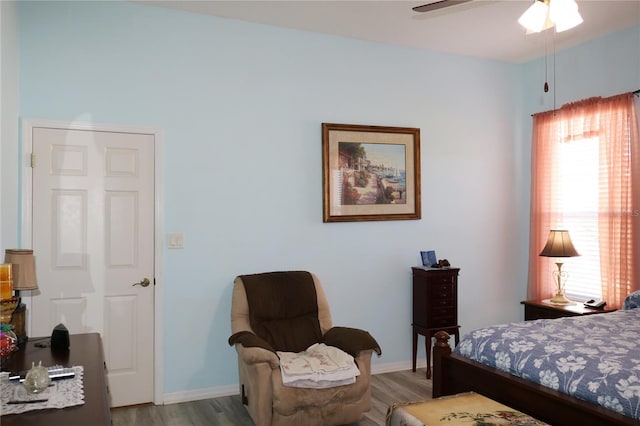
[
  {"x": 6, "y": 290},
  {"x": 5, "y": 272},
  {"x": 6, "y": 283},
  {"x": 37, "y": 379},
  {"x": 7, "y": 306},
  {"x": 8, "y": 341}
]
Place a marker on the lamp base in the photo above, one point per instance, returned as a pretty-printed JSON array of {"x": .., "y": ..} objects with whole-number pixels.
[
  {"x": 18, "y": 323},
  {"x": 560, "y": 299}
]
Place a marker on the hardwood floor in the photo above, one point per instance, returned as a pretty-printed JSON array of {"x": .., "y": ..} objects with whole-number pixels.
[
  {"x": 387, "y": 388},
  {"x": 399, "y": 386}
]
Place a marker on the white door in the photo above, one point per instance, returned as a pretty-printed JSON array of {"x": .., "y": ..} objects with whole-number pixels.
[{"x": 93, "y": 238}]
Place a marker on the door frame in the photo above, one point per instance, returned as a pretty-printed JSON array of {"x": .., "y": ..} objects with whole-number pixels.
[{"x": 26, "y": 228}]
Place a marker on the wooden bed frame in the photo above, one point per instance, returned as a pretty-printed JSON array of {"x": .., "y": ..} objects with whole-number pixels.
[{"x": 453, "y": 374}]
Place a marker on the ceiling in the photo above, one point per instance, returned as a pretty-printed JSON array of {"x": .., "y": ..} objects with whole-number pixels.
[{"x": 481, "y": 28}]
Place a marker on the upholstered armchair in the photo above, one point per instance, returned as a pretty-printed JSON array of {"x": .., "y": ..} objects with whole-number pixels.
[{"x": 288, "y": 311}]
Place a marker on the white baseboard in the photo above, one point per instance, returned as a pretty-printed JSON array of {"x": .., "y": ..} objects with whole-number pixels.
[
  {"x": 390, "y": 367},
  {"x": 228, "y": 390},
  {"x": 198, "y": 394}
]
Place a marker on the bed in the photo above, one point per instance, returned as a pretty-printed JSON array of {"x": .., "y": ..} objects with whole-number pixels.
[{"x": 566, "y": 371}]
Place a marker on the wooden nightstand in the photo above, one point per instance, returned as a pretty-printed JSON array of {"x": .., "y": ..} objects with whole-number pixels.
[
  {"x": 435, "y": 306},
  {"x": 538, "y": 309}
]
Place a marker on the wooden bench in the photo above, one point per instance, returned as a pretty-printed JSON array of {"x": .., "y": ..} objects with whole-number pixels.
[{"x": 461, "y": 409}]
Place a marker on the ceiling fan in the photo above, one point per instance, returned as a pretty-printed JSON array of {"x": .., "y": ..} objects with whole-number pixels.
[
  {"x": 438, "y": 5},
  {"x": 540, "y": 16}
]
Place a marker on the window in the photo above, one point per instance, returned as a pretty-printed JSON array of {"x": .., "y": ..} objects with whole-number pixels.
[
  {"x": 585, "y": 178},
  {"x": 577, "y": 192}
]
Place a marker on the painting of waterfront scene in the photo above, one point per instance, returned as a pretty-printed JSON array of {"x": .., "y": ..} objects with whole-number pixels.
[{"x": 372, "y": 173}]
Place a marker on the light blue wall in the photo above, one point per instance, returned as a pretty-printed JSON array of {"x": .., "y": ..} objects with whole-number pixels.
[
  {"x": 604, "y": 67},
  {"x": 8, "y": 124},
  {"x": 241, "y": 106}
]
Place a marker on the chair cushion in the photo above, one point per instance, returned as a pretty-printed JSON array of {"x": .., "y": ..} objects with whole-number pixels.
[
  {"x": 283, "y": 309},
  {"x": 289, "y": 400}
]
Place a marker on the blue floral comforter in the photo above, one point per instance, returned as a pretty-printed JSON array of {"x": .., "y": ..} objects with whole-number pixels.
[{"x": 592, "y": 357}]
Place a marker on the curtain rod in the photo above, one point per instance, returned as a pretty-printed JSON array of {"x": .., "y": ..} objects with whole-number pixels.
[{"x": 636, "y": 92}]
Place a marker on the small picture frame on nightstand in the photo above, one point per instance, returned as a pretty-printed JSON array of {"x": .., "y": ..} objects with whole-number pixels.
[{"x": 428, "y": 258}]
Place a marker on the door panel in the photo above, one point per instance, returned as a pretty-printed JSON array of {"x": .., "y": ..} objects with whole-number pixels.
[{"x": 93, "y": 237}]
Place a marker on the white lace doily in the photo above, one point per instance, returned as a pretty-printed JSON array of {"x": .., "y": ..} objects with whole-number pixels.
[{"x": 62, "y": 393}]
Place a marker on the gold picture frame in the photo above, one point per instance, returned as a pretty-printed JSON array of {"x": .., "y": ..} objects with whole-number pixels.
[{"x": 370, "y": 173}]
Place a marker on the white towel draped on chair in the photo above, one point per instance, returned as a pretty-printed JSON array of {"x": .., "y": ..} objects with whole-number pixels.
[{"x": 319, "y": 367}]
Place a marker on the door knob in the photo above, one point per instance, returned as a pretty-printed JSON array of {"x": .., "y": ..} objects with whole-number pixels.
[{"x": 144, "y": 283}]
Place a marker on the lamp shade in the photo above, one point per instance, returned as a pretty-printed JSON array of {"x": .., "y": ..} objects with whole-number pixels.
[
  {"x": 24, "y": 268},
  {"x": 559, "y": 245},
  {"x": 536, "y": 18},
  {"x": 544, "y": 14},
  {"x": 565, "y": 14}
]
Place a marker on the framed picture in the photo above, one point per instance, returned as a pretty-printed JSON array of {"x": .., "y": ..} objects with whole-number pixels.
[
  {"x": 428, "y": 257},
  {"x": 370, "y": 173}
]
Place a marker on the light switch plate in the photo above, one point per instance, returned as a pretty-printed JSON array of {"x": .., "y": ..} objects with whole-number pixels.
[{"x": 175, "y": 240}]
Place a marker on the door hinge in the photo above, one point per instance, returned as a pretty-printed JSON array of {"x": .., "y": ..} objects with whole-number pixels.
[{"x": 33, "y": 160}]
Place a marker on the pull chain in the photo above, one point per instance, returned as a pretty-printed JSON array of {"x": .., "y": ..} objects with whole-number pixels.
[{"x": 546, "y": 55}]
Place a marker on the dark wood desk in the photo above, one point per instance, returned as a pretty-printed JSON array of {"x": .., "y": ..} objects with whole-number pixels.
[
  {"x": 86, "y": 350},
  {"x": 539, "y": 309}
]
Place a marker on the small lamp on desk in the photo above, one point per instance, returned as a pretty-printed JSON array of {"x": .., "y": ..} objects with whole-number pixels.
[
  {"x": 24, "y": 278},
  {"x": 559, "y": 245}
]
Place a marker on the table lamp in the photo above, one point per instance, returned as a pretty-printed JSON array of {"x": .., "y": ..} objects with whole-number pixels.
[
  {"x": 24, "y": 278},
  {"x": 559, "y": 245}
]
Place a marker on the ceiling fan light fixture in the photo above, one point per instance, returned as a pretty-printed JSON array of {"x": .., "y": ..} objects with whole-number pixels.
[
  {"x": 565, "y": 14},
  {"x": 536, "y": 17},
  {"x": 548, "y": 23},
  {"x": 544, "y": 14}
]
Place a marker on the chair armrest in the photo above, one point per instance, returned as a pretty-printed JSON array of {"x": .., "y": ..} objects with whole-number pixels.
[
  {"x": 351, "y": 340},
  {"x": 253, "y": 349},
  {"x": 251, "y": 356},
  {"x": 250, "y": 340}
]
